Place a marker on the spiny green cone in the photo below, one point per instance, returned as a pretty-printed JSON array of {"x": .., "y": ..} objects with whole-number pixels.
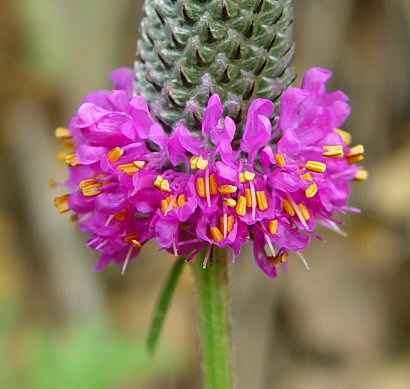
[{"x": 190, "y": 49}]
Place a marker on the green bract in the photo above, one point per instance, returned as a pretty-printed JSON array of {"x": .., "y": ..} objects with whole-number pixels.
[{"x": 190, "y": 49}]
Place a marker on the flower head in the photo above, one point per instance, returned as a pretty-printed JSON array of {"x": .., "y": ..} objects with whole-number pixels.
[{"x": 130, "y": 181}]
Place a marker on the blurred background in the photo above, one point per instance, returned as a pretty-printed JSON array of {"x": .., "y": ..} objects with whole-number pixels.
[{"x": 345, "y": 323}]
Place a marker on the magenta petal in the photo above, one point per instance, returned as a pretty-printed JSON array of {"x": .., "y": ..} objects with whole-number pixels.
[
  {"x": 87, "y": 155},
  {"x": 260, "y": 256},
  {"x": 258, "y": 128},
  {"x": 212, "y": 114},
  {"x": 123, "y": 79}
]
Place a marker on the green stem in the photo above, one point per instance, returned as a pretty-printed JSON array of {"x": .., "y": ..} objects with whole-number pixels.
[{"x": 214, "y": 316}]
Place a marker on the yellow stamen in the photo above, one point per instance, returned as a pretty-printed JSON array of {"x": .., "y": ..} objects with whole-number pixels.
[
  {"x": 246, "y": 176},
  {"x": 355, "y": 154},
  {"x": 198, "y": 163},
  {"x": 181, "y": 200},
  {"x": 132, "y": 239},
  {"x": 52, "y": 183},
  {"x": 226, "y": 224},
  {"x": 132, "y": 167},
  {"x": 121, "y": 216},
  {"x": 307, "y": 176},
  {"x": 262, "y": 200},
  {"x": 227, "y": 189},
  {"x": 74, "y": 218},
  {"x": 316, "y": 166},
  {"x": 115, "y": 154},
  {"x": 216, "y": 234},
  {"x": 162, "y": 184},
  {"x": 311, "y": 191},
  {"x": 136, "y": 244},
  {"x": 90, "y": 187},
  {"x": 280, "y": 258},
  {"x": 333, "y": 151},
  {"x": 231, "y": 223},
  {"x": 280, "y": 159},
  {"x": 241, "y": 206},
  {"x": 304, "y": 211},
  {"x": 230, "y": 203},
  {"x": 287, "y": 206},
  {"x": 200, "y": 187},
  {"x": 346, "y": 137},
  {"x": 63, "y": 133},
  {"x": 68, "y": 144},
  {"x": 71, "y": 160},
  {"x": 361, "y": 175},
  {"x": 164, "y": 206},
  {"x": 61, "y": 203},
  {"x": 356, "y": 150},
  {"x": 273, "y": 227},
  {"x": 213, "y": 184},
  {"x": 248, "y": 197}
]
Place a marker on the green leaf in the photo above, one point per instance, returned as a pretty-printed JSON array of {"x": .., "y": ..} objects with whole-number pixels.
[{"x": 163, "y": 304}]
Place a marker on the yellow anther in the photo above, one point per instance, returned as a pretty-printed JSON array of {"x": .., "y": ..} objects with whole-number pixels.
[
  {"x": 52, "y": 183},
  {"x": 231, "y": 223},
  {"x": 304, "y": 211},
  {"x": 227, "y": 189},
  {"x": 287, "y": 206},
  {"x": 164, "y": 206},
  {"x": 132, "y": 167},
  {"x": 213, "y": 184},
  {"x": 280, "y": 159},
  {"x": 136, "y": 244},
  {"x": 121, "y": 216},
  {"x": 61, "y": 203},
  {"x": 355, "y": 154},
  {"x": 216, "y": 234},
  {"x": 90, "y": 187},
  {"x": 280, "y": 258},
  {"x": 262, "y": 200},
  {"x": 63, "y": 133},
  {"x": 132, "y": 239},
  {"x": 115, "y": 154},
  {"x": 181, "y": 200},
  {"x": 333, "y": 151},
  {"x": 361, "y": 175},
  {"x": 316, "y": 166},
  {"x": 198, "y": 163},
  {"x": 230, "y": 203},
  {"x": 200, "y": 187},
  {"x": 74, "y": 218},
  {"x": 346, "y": 137},
  {"x": 248, "y": 197},
  {"x": 246, "y": 176},
  {"x": 311, "y": 191},
  {"x": 68, "y": 144},
  {"x": 273, "y": 227},
  {"x": 241, "y": 206},
  {"x": 162, "y": 184},
  {"x": 307, "y": 176},
  {"x": 71, "y": 160}
]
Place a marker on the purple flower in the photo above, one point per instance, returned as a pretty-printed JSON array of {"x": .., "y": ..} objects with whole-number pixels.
[{"x": 130, "y": 181}]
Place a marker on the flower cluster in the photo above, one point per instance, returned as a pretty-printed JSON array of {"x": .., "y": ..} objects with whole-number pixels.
[{"x": 130, "y": 181}]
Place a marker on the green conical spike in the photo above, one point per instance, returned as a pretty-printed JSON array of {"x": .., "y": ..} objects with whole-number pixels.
[{"x": 190, "y": 49}]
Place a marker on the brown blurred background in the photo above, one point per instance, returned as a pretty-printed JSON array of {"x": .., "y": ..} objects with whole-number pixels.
[{"x": 345, "y": 323}]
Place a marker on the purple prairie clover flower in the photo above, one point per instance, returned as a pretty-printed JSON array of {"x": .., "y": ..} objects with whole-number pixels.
[{"x": 130, "y": 181}]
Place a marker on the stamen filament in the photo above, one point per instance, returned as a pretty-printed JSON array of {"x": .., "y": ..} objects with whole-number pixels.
[
  {"x": 127, "y": 258},
  {"x": 253, "y": 196},
  {"x": 207, "y": 189}
]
